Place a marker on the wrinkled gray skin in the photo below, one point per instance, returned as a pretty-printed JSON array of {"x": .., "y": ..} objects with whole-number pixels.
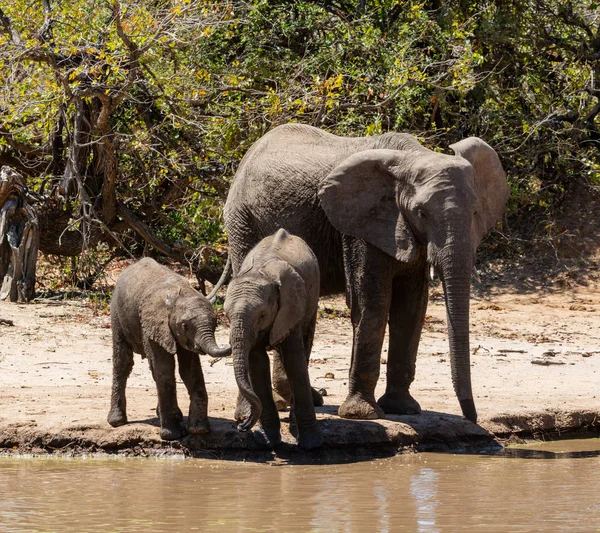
[
  {"x": 155, "y": 312},
  {"x": 272, "y": 302},
  {"x": 376, "y": 211}
]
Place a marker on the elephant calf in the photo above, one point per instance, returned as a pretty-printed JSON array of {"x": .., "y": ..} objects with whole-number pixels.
[
  {"x": 155, "y": 312},
  {"x": 273, "y": 302}
]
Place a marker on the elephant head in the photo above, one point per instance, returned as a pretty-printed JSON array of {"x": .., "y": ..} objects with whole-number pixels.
[
  {"x": 400, "y": 200},
  {"x": 171, "y": 315},
  {"x": 268, "y": 297}
]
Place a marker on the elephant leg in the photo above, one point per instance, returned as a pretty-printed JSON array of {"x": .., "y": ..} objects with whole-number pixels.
[
  {"x": 193, "y": 378},
  {"x": 308, "y": 343},
  {"x": 295, "y": 363},
  {"x": 178, "y": 413},
  {"x": 261, "y": 383},
  {"x": 282, "y": 392},
  {"x": 369, "y": 274},
  {"x": 122, "y": 366},
  {"x": 163, "y": 371},
  {"x": 407, "y": 313}
]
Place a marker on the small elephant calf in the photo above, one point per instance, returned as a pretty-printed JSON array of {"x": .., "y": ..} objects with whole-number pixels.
[
  {"x": 272, "y": 301},
  {"x": 155, "y": 312}
]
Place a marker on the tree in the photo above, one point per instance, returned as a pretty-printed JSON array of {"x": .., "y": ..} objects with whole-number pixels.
[
  {"x": 129, "y": 118},
  {"x": 92, "y": 115}
]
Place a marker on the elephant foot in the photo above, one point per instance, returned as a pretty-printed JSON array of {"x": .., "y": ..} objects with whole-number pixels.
[
  {"x": 172, "y": 431},
  {"x": 116, "y": 418},
  {"x": 266, "y": 438},
  {"x": 283, "y": 403},
  {"x": 198, "y": 427},
  {"x": 178, "y": 414},
  {"x": 356, "y": 406},
  {"x": 242, "y": 411},
  {"x": 399, "y": 403},
  {"x": 280, "y": 402},
  {"x": 317, "y": 396},
  {"x": 310, "y": 439}
]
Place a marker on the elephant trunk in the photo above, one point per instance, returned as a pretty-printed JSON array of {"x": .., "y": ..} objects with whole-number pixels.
[
  {"x": 210, "y": 347},
  {"x": 205, "y": 342},
  {"x": 241, "y": 344},
  {"x": 456, "y": 276}
]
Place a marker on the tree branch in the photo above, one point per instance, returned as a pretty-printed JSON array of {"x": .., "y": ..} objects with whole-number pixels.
[{"x": 146, "y": 233}]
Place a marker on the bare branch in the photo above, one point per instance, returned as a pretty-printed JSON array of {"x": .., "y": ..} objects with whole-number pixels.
[{"x": 146, "y": 233}]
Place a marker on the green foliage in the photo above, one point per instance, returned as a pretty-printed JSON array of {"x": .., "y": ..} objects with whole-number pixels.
[{"x": 189, "y": 85}]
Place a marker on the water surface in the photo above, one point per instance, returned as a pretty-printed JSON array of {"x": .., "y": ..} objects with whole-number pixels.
[{"x": 417, "y": 492}]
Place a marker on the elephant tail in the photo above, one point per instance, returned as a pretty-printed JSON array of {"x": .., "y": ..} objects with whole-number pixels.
[{"x": 223, "y": 280}]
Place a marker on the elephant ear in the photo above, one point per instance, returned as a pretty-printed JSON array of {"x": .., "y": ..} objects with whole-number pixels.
[
  {"x": 490, "y": 182},
  {"x": 360, "y": 198},
  {"x": 292, "y": 299},
  {"x": 155, "y": 310},
  {"x": 247, "y": 266}
]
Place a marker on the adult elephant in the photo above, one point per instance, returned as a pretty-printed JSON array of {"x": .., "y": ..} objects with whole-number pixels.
[{"x": 376, "y": 211}]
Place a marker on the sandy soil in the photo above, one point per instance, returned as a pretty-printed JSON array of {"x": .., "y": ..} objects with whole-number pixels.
[{"x": 535, "y": 370}]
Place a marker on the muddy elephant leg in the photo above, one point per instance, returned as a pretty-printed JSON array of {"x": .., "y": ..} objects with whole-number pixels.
[
  {"x": 295, "y": 363},
  {"x": 178, "y": 412},
  {"x": 369, "y": 274},
  {"x": 308, "y": 343},
  {"x": 163, "y": 371},
  {"x": 122, "y": 365},
  {"x": 407, "y": 313},
  {"x": 193, "y": 378},
  {"x": 260, "y": 377},
  {"x": 282, "y": 392}
]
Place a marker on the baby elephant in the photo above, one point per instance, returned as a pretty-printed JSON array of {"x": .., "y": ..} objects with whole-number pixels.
[
  {"x": 273, "y": 302},
  {"x": 155, "y": 312}
]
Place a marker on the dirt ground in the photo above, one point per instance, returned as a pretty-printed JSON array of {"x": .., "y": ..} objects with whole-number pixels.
[{"x": 535, "y": 371}]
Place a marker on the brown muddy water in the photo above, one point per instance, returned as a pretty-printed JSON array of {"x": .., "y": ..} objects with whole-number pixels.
[{"x": 551, "y": 487}]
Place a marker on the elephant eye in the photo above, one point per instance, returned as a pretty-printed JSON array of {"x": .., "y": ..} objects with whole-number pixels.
[
  {"x": 184, "y": 325},
  {"x": 421, "y": 213}
]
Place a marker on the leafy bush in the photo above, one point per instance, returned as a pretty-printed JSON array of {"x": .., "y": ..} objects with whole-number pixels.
[{"x": 133, "y": 116}]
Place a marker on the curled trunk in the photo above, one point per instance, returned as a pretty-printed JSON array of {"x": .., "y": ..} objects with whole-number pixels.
[{"x": 210, "y": 347}]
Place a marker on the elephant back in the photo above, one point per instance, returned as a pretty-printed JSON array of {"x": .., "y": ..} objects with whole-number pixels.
[
  {"x": 276, "y": 187},
  {"x": 298, "y": 254}
]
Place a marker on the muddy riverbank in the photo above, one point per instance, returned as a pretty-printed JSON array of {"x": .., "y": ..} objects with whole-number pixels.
[{"x": 535, "y": 368}]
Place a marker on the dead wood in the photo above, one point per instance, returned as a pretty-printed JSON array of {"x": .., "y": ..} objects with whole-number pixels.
[{"x": 19, "y": 238}]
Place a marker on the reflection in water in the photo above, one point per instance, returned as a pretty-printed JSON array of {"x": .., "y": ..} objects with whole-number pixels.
[
  {"x": 423, "y": 488},
  {"x": 421, "y": 492}
]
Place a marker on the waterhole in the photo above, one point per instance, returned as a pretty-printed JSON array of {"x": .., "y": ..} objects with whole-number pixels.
[{"x": 523, "y": 489}]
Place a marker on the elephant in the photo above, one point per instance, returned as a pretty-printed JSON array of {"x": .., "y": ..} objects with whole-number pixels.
[
  {"x": 272, "y": 302},
  {"x": 378, "y": 212},
  {"x": 156, "y": 313}
]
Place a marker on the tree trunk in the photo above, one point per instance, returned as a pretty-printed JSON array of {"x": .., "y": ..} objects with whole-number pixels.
[{"x": 19, "y": 238}]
